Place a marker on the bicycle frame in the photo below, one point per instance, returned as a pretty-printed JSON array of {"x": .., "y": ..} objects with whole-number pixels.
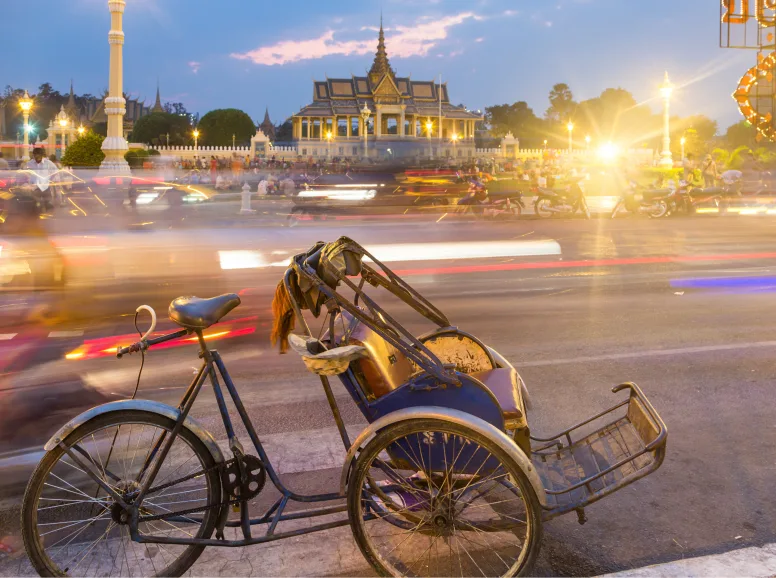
[{"x": 213, "y": 366}]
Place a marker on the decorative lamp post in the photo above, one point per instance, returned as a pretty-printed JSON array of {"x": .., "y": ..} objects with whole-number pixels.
[
  {"x": 455, "y": 142},
  {"x": 545, "y": 144},
  {"x": 666, "y": 161},
  {"x": 25, "y": 103},
  {"x": 328, "y": 143},
  {"x": 429, "y": 126},
  {"x": 365, "y": 113},
  {"x": 681, "y": 142},
  {"x": 232, "y": 141},
  {"x": 115, "y": 145},
  {"x": 196, "y": 137},
  {"x": 63, "y": 122},
  {"x": 168, "y": 139},
  {"x": 570, "y": 126},
  {"x": 587, "y": 142}
]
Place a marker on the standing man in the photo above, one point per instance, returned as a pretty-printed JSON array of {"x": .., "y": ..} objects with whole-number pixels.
[
  {"x": 42, "y": 170},
  {"x": 689, "y": 167},
  {"x": 709, "y": 171}
]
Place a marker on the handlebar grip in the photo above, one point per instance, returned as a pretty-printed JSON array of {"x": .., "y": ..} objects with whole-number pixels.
[{"x": 135, "y": 347}]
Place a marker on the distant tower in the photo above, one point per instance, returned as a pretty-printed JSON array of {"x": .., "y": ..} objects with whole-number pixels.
[
  {"x": 158, "y": 104},
  {"x": 267, "y": 127},
  {"x": 71, "y": 108},
  {"x": 114, "y": 146},
  {"x": 380, "y": 66}
]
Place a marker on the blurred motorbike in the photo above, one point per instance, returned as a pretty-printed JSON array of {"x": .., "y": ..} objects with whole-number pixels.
[
  {"x": 479, "y": 202},
  {"x": 550, "y": 202},
  {"x": 687, "y": 198},
  {"x": 639, "y": 200}
]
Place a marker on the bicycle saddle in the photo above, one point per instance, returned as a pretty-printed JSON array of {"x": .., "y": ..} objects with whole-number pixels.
[{"x": 196, "y": 313}]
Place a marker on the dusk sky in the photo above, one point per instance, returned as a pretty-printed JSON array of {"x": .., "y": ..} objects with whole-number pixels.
[{"x": 250, "y": 54}]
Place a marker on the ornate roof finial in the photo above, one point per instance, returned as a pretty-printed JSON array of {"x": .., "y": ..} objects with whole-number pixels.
[
  {"x": 71, "y": 107},
  {"x": 380, "y": 66},
  {"x": 158, "y": 104}
]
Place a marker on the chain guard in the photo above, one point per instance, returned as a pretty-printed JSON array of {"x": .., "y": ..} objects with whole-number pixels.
[{"x": 256, "y": 477}]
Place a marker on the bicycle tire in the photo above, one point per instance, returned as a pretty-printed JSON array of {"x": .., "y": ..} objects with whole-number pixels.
[{"x": 37, "y": 554}]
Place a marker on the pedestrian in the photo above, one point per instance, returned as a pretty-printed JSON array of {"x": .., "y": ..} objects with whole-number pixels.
[
  {"x": 709, "y": 171},
  {"x": 42, "y": 171},
  {"x": 3, "y": 163},
  {"x": 689, "y": 168}
]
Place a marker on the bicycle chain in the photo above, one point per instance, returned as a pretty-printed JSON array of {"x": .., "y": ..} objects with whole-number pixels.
[{"x": 222, "y": 466}]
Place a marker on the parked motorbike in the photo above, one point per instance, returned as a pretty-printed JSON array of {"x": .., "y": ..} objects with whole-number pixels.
[
  {"x": 568, "y": 202},
  {"x": 639, "y": 200},
  {"x": 687, "y": 197},
  {"x": 480, "y": 203}
]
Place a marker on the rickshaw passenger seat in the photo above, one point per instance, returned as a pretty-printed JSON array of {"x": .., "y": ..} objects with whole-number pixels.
[{"x": 502, "y": 382}]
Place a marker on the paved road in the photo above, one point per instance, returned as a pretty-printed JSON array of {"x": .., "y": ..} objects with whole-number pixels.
[{"x": 682, "y": 307}]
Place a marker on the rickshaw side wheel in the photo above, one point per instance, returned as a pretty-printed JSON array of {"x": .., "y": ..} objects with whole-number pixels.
[{"x": 433, "y": 497}]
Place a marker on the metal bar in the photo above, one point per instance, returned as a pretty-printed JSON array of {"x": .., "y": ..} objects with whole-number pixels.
[
  {"x": 239, "y": 543},
  {"x": 335, "y": 412},
  {"x": 173, "y": 434},
  {"x": 293, "y": 515},
  {"x": 276, "y": 519},
  {"x": 257, "y": 442},
  {"x": 89, "y": 458},
  {"x": 184, "y": 400},
  {"x": 587, "y": 421}
]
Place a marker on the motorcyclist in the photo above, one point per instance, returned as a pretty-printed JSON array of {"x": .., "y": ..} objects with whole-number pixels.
[{"x": 42, "y": 172}]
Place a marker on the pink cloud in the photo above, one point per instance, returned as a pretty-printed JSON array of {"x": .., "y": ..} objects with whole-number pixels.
[
  {"x": 455, "y": 53},
  {"x": 403, "y": 42},
  {"x": 195, "y": 66},
  {"x": 479, "y": 39}
]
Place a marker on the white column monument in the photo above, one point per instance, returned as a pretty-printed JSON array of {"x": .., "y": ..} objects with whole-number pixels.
[
  {"x": 666, "y": 160},
  {"x": 115, "y": 146}
]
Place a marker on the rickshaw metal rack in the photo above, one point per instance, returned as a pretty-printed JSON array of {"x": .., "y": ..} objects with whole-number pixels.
[{"x": 578, "y": 468}]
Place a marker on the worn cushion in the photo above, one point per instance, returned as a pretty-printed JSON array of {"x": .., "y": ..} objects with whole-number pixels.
[{"x": 504, "y": 385}]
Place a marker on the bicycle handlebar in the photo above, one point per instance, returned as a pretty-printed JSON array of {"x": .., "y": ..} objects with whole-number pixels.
[{"x": 144, "y": 343}]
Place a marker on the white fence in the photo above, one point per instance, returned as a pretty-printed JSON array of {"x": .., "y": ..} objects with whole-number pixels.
[{"x": 191, "y": 152}]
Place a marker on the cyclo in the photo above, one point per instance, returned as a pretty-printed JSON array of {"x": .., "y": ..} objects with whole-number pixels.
[{"x": 445, "y": 480}]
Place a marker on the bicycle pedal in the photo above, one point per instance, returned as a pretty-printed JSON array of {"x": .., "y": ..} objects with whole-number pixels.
[{"x": 236, "y": 508}]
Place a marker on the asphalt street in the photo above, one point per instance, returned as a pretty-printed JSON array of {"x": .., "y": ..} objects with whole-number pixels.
[{"x": 683, "y": 307}]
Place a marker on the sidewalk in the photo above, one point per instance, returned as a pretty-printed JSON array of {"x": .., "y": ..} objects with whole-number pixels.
[{"x": 754, "y": 561}]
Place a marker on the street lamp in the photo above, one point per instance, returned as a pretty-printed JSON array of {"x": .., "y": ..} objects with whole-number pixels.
[
  {"x": 365, "y": 112},
  {"x": 665, "y": 91},
  {"x": 81, "y": 130},
  {"x": 196, "y": 136},
  {"x": 62, "y": 121},
  {"x": 545, "y": 144},
  {"x": 168, "y": 139},
  {"x": 328, "y": 143},
  {"x": 682, "y": 141},
  {"x": 25, "y": 103},
  {"x": 429, "y": 126},
  {"x": 232, "y": 141},
  {"x": 587, "y": 142},
  {"x": 455, "y": 141},
  {"x": 570, "y": 126}
]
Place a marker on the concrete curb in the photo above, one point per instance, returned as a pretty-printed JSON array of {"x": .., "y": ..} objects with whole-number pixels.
[{"x": 754, "y": 561}]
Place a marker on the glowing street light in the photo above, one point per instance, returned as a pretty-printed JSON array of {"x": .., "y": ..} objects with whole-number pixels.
[
  {"x": 545, "y": 144},
  {"x": 328, "y": 143},
  {"x": 25, "y": 103},
  {"x": 429, "y": 126},
  {"x": 81, "y": 130},
  {"x": 682, "y": 141},
  {"x": 666, "y": 161},
  {"x": 455, "y": 142},
  {"x": 196, "y": 137},
  {"x": 570, "y": 126},
  {"x": 587, "y": 142},
  {"x": 365, "y": 113}
]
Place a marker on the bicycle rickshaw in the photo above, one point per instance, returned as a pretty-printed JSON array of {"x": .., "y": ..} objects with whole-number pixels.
[{"x": 445, "y": 480}]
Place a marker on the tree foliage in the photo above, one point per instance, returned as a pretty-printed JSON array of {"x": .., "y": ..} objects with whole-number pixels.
[
  {"x": 740, "y": 134},
  {"x": 153, "y": 129},
  {"x": 217, "y": 127},
  {"x": 562, "y": 105},
  {"x": 86, "y": 151},
  {"x": 517, "y": 118}
]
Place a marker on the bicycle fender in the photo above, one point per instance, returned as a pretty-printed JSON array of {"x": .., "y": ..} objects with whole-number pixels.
[
  {"x": 479, "y": 425},
  {"x": 156, "y": 407}
]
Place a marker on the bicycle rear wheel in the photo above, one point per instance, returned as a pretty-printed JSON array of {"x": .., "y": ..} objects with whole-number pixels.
[
  {"x": 71, "y": 525},
  {"x": 429, "y": 497}
]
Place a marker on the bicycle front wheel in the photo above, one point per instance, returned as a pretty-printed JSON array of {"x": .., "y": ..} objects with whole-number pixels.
[
  {"x": 71, "y": 525},
  {"x": 429, "y": 497}
]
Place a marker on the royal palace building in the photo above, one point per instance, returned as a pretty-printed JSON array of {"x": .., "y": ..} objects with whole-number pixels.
[{"x": 399, "y": 116}]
